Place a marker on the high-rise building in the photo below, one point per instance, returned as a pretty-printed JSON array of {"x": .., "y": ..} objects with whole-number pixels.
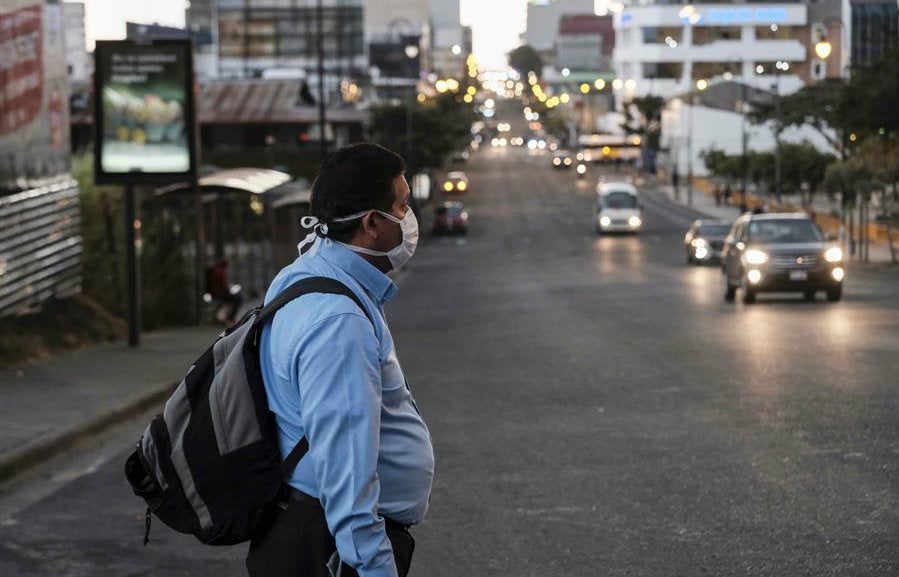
[
  {"x": 78, "y": 60},
  {"x": 254, "y": 38},
  {"x": 875, "y": 29}
]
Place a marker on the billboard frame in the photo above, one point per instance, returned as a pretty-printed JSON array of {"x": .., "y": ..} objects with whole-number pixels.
[{"x": 104, "y": 49}]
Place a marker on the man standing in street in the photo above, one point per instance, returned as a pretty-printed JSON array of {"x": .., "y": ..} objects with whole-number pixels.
[{"x": 332, "y": 375}]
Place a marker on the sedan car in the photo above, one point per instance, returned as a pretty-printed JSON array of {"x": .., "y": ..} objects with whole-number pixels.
[
  {"x": 450, "y": 217},
  {"x": 455, "y": 182},
  {"x": 562, "y": 159},
  {"x": 780, "y": 253},
  {"x": 704, "y": 242}
]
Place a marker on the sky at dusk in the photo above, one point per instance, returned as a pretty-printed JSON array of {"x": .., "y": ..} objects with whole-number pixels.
[{"x": 496, "y": 24}]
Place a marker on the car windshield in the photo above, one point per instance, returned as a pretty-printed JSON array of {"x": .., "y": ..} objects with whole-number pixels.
[
  {"x": 714, "y": 230},
  {"x": 784, "y": 231},
  {"x": 619, "y": 200}
]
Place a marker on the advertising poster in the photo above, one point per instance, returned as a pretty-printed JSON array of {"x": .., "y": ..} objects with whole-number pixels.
[
  {"x": 34, "y": 114},
  {"x": 144, "y": 111}
]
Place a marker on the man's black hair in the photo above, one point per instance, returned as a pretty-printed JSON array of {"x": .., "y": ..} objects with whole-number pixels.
[{"x": 353, "y": 179}]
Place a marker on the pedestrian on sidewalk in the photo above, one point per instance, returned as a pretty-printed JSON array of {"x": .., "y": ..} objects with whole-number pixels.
[
  {"x": 728, "y": 193},
  {"x": 675, "y": 182},
  {"x": 718, "y": 195},
  {"x": 333, "y": 376},
  {"x": 219, "y": 289}
]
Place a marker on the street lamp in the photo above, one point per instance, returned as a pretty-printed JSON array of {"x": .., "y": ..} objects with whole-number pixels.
[
  {"x": 412, "y": 52},
  {"x": 701, "y": 85},
  {"x": 779, "y": 66},
  {"x": 823, "y": 49}
]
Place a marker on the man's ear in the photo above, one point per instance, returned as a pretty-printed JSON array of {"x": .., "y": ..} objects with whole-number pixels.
[{"x": 370, "y": 226}]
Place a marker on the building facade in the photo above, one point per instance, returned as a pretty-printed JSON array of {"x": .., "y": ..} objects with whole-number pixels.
[
  {"x": 585, "y": 42},
  {"x": 543, "y": 18},
  {"x": 664, "y": 48},
  {"x": 255, "y": 38},
  {"x": 78, "y": 61},
  {"x": 875, "y": 29}
]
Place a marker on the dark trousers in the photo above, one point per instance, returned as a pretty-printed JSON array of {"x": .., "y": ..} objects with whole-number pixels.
[{"x": 299, "y": 544}]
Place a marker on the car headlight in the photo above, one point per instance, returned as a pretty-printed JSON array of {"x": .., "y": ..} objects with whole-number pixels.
[
  {"x": 448, "y": 186},
  {"x": 605, "y": 221},
  {"x": 833, "y": 254},
  {"x": 634, "y": 221},
  {"x": 567, "y": 162},
  {"x": 698, "y": 242},
  {"x": 556, "y": 161},
  {"x": 754, "y": 256},
  {"x": 581, "y": 169},
  {"x": 462, "y": 185}
]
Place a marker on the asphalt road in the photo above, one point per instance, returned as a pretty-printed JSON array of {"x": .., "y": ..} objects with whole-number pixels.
[{"x": 596, "y": 407}]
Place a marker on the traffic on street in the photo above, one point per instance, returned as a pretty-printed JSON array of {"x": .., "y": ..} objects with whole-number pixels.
[{"x": 415, "y": 288}]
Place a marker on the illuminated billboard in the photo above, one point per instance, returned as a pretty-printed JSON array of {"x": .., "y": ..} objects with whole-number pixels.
[{"x": 143, "y": 111}]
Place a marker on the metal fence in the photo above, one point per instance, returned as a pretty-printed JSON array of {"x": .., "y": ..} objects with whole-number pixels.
[{"x": 40, "y": 246}]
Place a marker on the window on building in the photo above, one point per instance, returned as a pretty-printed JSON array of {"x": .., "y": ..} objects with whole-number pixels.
[
  {"x": 770, "y": 68},
  {"x": 709, "y": 70},
  {"x": 270, "y": 31},
  {"x": 774, "y": 32},
  {"x": 875, "y": 30},
  {"x": 663, "y": 70},
  {"x": 232, "y": 33},
  {"x": 662, "y": 35},
  {"x": 819, "y": 70},
  {"x": 708, "y": 34}
]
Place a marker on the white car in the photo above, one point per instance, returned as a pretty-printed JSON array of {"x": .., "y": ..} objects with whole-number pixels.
[{"x": 618, "y": 208}]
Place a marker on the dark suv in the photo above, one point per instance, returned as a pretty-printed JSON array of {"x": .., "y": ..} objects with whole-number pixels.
[{"x": 780, "y": 253}]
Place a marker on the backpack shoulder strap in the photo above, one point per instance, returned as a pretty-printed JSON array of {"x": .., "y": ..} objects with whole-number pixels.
[{"x": 317, "y": 284}]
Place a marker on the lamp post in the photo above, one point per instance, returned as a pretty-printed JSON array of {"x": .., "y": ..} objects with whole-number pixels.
[
  {"x": 412, "y": 52},
  {"x": 701, "y": 85},
  {"x": 779, "y": 66}
]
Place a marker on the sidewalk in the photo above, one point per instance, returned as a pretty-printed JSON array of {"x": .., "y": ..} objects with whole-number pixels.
[
  {"x": 49, "y": 406},
  {"x": 879, "y": 252}
]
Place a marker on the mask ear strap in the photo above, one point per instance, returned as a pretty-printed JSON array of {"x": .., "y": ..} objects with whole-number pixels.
[{"x": 319, "y": 230}]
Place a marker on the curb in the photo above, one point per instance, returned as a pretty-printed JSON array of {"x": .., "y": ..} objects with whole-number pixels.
[{"x": 20, "y": 460}]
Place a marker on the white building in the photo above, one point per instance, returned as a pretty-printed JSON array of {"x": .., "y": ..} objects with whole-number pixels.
[
  {"x": 78, "y": 60},
  {"x": 543, "y": 18},
  {"x": 664, "y": 49}
]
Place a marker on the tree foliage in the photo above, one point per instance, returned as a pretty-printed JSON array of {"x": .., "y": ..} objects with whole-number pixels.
[
  {"x": 863, "y": 105},
  {"x": 643, "y": 117},
  {"x": 440, "y": 126},
  {"x": 525, "y": 59},
  {"x": 802, "y": 167}
]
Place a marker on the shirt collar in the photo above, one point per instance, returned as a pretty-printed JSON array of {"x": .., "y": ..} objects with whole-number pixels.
[{"x": 372, "y": 280}]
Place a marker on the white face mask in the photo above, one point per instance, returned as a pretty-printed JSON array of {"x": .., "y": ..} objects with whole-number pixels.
[{"x": 400, "y": 254}]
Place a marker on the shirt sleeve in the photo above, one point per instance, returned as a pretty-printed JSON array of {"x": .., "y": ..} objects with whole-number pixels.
[{"x": 339, "y": 377}]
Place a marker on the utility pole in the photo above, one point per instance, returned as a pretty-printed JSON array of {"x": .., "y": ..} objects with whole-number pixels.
[
  {"x": 744, "y": 161},
  {"x": 690, "y": 148},
  {"x": 320, "y": 41}
]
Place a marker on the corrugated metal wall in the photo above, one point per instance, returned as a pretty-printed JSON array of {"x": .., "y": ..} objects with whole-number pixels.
[{"x": 40, "y": 245}]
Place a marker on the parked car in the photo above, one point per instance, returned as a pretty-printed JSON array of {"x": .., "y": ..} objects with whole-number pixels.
[
  {"x": 704, "y": 242},
  {"x": 456, "y": 181},
  {"x": 562, "y": 159},
  {"x": 450, "y": 217},
  {"x": 618, "y": 208},
  {"x": 781, "y": 253}
]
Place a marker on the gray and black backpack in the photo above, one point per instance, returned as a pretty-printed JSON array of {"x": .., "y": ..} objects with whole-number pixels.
[{"x": 209, "y": 465}]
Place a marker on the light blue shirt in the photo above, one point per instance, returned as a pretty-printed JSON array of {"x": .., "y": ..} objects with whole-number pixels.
[{"x": 332, "y": 375}]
